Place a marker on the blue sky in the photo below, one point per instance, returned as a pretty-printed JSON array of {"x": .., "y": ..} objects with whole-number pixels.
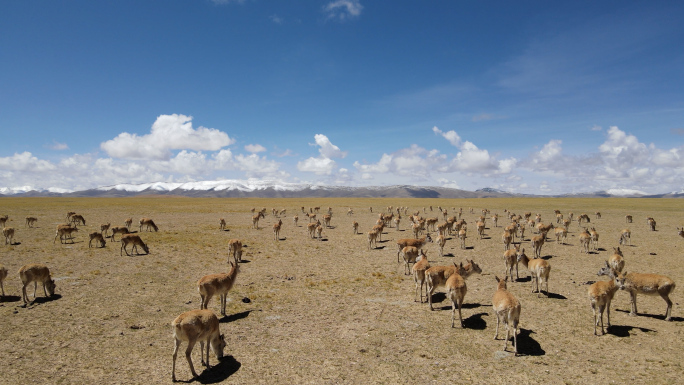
[{"x": 534, "y": 97}]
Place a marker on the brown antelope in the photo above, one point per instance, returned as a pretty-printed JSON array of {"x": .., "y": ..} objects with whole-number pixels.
[
  {"x": 197, "y": 325},
  {"x": 430, "y": 223},
  {"x": 441, "y": 241},
  {"x": 30, "y": 221},
  {"x": 355, "y": 226},
  {"x": 419, "y": 269},
  {"x": 462, "y": 236},
  {"x": 372, "y": 241},
  {"x": 571, "y": 215},
  {"x": 312, "y": 217},
  {"x": 416, "y": 242},
  {"x": 97, "y": 237},
  {"x": 456, "y": 290},
  {"x": 539, "y": 270},
  {"x": 147, "y": 222},
  {"x": 135, "y": 241},
  {"x": 35, "y": 273},
  {"x": 118, "y": 230},
  {"x": 8, "y": 233},
  {"x": 65, "y": 232},
  {"x": 537, "y": 243},
  {"x": 559, "y": 218},
  {"x": 594, "y": 238},
  {"x": 295, "y": 219},
  {"x": 436, "y": 276},
  {"x": 566, "y": 224},
  {"x": 652, "y": 224},
  {"x": 397, "y": 222},
  {"x": 680, "y": 232},
  {"x": 319, "y": 232},
  {"x": 235, "y": 250},
  {"x": 521, "y": 232},
  {"x": 222, "y": 224},
  {"x": 410, "y": 254},
  {"x": 217, "y": 284},
  {"x": 495, "y": 219},
  {"x": 3, "y": 221},
  {"x": 598, "y": 215},
  {"x": 511, "y": 259},
  {"x": 628, "y": 218},
  {"x": 104, "y": 229},
  {"x": 616, "y": 260},
  {"x": 276, "y": 229},
  {"x": 3, "y": 275},
  {"x": 626, "y": 237},
  {"x": 480, "y": 229},
  {"x": 507, "y": 238},
  {"x": 350, "y": 212},
  {"x": 583, "y": 217},
  {"x": 128, "y": 222},
  {"x": 77, "y": 218},
  {"x": 561, "y": 234},
  {"x": 601, "y": 295},
  {"x": 311, "y": 227},
  {"x": 649, "y": 284},
  {"x": 68, "y": 216},
  {"x": 584, "y": 240},
  {"x": 507, "y": 309},
  {"x": 255, "y": 220}
]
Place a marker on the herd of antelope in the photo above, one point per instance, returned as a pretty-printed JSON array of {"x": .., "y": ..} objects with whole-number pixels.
[{"x": 203, "y": 324}]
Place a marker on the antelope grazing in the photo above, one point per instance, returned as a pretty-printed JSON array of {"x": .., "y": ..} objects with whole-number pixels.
[
  {"x": 462, "y": 236},
  {"x": 372, "y": 241},
  {"x": 616, "y": 261},
  {"x": 8, "y": 233},
  {"x": 65, "y": 232},
  {"x": 537, "y": 243},
  {"x": 276, "y": 229},
  {"x": 456, "y": 290},
  {"x": 626, "y": 237},
  {"x": 419, "y": 269},
  {"x": 30, "y": 221},
  {"x": 235, "y": 250},
  {"x": 217, "y": 284},
  {"x": 507, "y": 309},
  {"x": 437, "y": 276},
  {"x": 649, "y": 284},
  {"x": 255, "y": 220},
  {"x": 118, "y": 230},
  {"x": 600, "y": 296},
  {"x": 147, "y": 222},
  {"x": 197, "y": 325},
  {"x": 511, "y": 259},
  {"x": 104, "y": 229},
  {"x": 77, "y": 219},
  {"x": 35, "y": 273},
  {"x": 295, "y": 219},
  {"x": 594, "y": 238},
  {"x": 97, "y": 237},
  {"x": 355, "y": 227},
  {"x": 128, "y": 222},
  {"x": 410, "y": 254},
  {"x": 584, "y": 240},
  {"x": 135, "y": 241},
  {"x": 583, "y": 217},
  {"x": 222, "y": 224},
  {"x": 416, "y": 242},
  {"x": 3, "y": 275},
  {"x": 441, "y": 241},
  {"x": 561, "y": 234},
  {"x": 507, "y": 238},
  {"x": 68, "y": 216},
  {"x": 628, "y": 218},
  {"x": 652, "y": 224},
  {"x": 539, "y": 270}
]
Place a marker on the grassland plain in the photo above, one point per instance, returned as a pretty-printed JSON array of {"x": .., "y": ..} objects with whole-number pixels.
[{"x": 330, "y": 311}]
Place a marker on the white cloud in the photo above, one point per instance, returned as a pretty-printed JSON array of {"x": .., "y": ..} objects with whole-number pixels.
[
  {"x": 596, "y": 127},
  {"x": 343, "y": 9},
  {"x": 276, "y": 19},
  {"x": 319, "y": 166},
  {"x": 451, "y": 136},
  {"x": 254, "y": 148},
  {"x": 58, "y": 146},
  {"x": 25, "y": 162},
  {"x": 327, "y": 149},
  {"x": 255, "y": 166},
  {"x": 169, "y": 132}
]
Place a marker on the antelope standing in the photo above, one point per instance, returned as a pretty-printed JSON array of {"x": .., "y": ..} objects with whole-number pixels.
[
  {"x": 128, "y": 222},
  {"x": 626, "y": 237},
  {"x": 601, "y": 295},
  {"x": 462, "y": 236},
  {"x": 295, "y": 219},
  {"x": 649, "y": 284},
  {"x": 222, "y": 224},
  {"x": 561, "y": 234},
  {"x": 372, "y": 241},
  {"x": 419, "y": 269},
  {"x": 118, "y": 230},
  {"x": 594, "y": 238},
  {"x": 3, "y": 275},
  {"x": 255, "y": 220},
  {"x": 197, "y": 325},
  {"x": 98, "y": 239},
  {"x": 410, "y": 254},
  {"x": 537, "y": 243},
  {"x": 437, "y": 276},
  {"x": 456, "y": 290},
  {"x": 617, "y": 260},
  {"x": 507, "y": 238},
  {"x": 35, "y": 273},
  {"x": 652, "y": 224},
  {"x": 419, "y": 242},
  {"x": 628, "y": 218},
  {"x": 217, "y": 284},
  {"x": 30, "y": 221},
  {"x": 511, "y": 259},
  {"x": 584, "y": 240},
  {"x": 104, "y": 229},
  {"x": 3, "y": 220},
  {"x": 539, "y": 270},
  {"x": 276, "y": 229},
  {"x": 65, "y": 232},
  {"x": 235, "y": 250},
  {"x": 8, "y": 233},
  {"x": 77, "y": 218},
  {"x": 507, "y": 309},
  {"x": 355, "y": 226}
]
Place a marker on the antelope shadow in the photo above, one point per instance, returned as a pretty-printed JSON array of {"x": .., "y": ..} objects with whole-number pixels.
[{"x": 235, "y": 317}]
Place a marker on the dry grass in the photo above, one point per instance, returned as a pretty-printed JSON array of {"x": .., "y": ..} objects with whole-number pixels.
[{"x": 329, "y": 311}]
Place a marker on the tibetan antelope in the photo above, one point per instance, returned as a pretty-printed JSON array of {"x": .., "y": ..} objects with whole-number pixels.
[
  {"x": 319, "y": 231},
  {"x": 462, "y": 237},
  {"x": 350, "y": 212},
  {"x": 128, "y": 222},
  {"x": 65, "y": 232},
  {"x": 8, "y": 233},
  {"x": 372, "y": 241},
  {"x": 255, "y": 219},
  {"x": 104, "y": 229},
  {"x": 419, "y": 269},
  {"x": 217, "y": 284},
  {"x": 30, "y": 221},
  {"x": 147, "y": 222},
  {"x": 510, "y": 257},
  {"x": 537, "y": 243},
  {"x": 118, "y": 230},
  {"x": 295, "y": 219},
  {"x": 3, "y": 221},
  {"x": 197, "y": 325},
  {"x": 222, "y": 224},
  {"x": 410, "y": 254},
  {"x": 355, "y": 226},
  {"x": 652, "y": 224},
  {"x": 617, "y": 260},
  {"x": 98, "y": 239},
  {"x": 601, "y": 295},
  {"x": 77, "y": 219},
  {"x": 416, "y": 242},
  {"x": 649, "y": 284},
  {"x": 507, "y": 238},
  {"x": 235, "y": 250},
  {"x": 35, "y": 273},
  {"x": 594, "y": 238},
  {"x": 436, "y": 276},
  {"x": 441, "y": 241},
  {"x": 561, "y": 234},
  {"x": 276, "y": 229},
  {"x": 3, "y": 275},
  {"x": 68, "y": 216},
  {"x": 680, "y": 232},
  {"x": 135, "y": 241},
  {"x": 326, "y": 220},
  {"x": 598, "y": 215},
  {"x": 539, "y": 270},
  {"x": 456, "y": 290},
  {"x": 584, "y": 240},
  {"x": 626, "y": 237},
  {"x": 628, "y": 218},
  {"x": 507, "y": 309},
  {"x": 480, "y": 229}
]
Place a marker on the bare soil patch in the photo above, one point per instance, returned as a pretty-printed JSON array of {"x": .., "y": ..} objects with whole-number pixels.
[{"x": 316, "y": 312}]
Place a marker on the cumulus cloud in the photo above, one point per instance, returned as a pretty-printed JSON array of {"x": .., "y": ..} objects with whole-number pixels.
[
  {"x": 26, "y": 162},
  {"x": 254, "y": 148},
  {"x": 343, "y": 9},
  {"x": 470, "y": 158},
  {"x": 58, "y": 146},
  {"x": 276, "y": 19},
  {"x": 450, "y": 136},
  {"x": 327, "y": 149},
  {"x": 169, "y": 132},
  {"x": 415, "y": 161},
  {"x": 323, "y": 164}
]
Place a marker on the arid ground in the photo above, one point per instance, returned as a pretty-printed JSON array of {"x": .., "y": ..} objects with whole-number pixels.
[{"x": 305, "y": 311}]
